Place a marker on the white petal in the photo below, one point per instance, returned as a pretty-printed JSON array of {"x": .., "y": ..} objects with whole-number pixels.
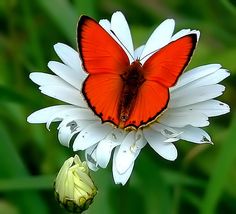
[
  {"x": 185, "y": 32},
  {"x": 70, "y": 57},
  {"x": 195, "y": 135},
  {"x": 121, "y": 29},
  {"x": 210, "y": 79},
  {"x": 120, "y": 178},
  {"x": 171, "y": 140},
  {"x": 129, "y": 150},
  {"x": 91, "y": 135},
  {"x": 66, "y": 73},
  {"x": 195, "y": 95},
  {"x": 69, "y": 127},
  {"x": 64, "y": 93},
  {"x": 75, "y": 112},
  {"x": 125, "y": 156},
  {"x": 44, "y": 79},
  {"x": 103, "y": 152},
  {"x": 140, "y": 142},
  {"x": 159, "y": 38},
  {"x": 210, "y": 108},
  {"x": 105, "y": 146},
  {"x": 181, "y": 119},
  {"x": 138, "y": 51},
  {"x": 166, "y": 131},
  {"x": 65, "y": 133},
  {"x": 157, "y": 142},
  {"x": 180, "y": 34},
  {"x": 91, "y": 157},
  {"x": 195, "y": 74},
  {"x": 105, "y": 24},
  {"x": 42, "y": 115},
  {"x": 117, "y": 29}
]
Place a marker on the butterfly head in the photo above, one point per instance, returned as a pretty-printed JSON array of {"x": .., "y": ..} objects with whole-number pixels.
[{"x": 124, "y": 116}]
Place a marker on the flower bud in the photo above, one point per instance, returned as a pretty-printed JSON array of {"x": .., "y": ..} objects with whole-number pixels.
[{"x": 74, "y": 189}]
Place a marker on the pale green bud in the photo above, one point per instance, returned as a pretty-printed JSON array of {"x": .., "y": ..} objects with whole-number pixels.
[{"x": 74, "y": 188}]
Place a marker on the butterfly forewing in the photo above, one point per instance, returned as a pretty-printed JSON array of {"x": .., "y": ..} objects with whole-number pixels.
[
  {"x": 167, "y": 64},
  {"x": 100, "y": 53}
]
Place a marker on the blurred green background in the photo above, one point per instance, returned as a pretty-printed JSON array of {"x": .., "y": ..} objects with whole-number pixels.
[{"x": 201, "y": 180}]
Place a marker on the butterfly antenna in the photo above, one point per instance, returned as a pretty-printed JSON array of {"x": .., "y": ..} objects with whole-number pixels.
[
  {"x": 149, "y": 54},
  {"x": 122, "y": 44}
]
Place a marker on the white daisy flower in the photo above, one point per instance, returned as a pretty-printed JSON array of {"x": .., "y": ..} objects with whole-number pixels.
[{"x": 191, "y": 104}]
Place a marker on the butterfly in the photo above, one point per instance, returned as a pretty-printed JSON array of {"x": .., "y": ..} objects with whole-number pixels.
[{"x": 128, "y": 95}]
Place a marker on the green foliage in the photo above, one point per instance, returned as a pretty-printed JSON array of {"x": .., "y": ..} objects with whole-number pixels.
[{"x": 202, "y": 180}]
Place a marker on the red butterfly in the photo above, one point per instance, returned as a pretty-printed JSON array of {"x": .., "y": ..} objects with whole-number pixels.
[{"x": 128, "y": 95}]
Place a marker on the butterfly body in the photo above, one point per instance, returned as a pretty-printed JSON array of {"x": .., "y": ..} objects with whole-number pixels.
[
  {"x": 132, "y": 80},
  {"x": 128, "y": 94}
]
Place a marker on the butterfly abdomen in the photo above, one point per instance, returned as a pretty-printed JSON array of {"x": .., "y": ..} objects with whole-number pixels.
[{"x": 132, "y": 80}]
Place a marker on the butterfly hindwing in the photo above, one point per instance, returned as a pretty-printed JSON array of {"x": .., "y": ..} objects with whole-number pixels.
[
  {"x": 103, "y": 94},
  {"x": 151, "y": 100}
]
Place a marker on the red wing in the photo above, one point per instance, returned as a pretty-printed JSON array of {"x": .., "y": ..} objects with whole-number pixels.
[
  {"x": 160, "y": 71},
  {"x": 99, "y": 52},
  {"x": 104, "y": 60},
  {"x": 102, "y": 93},
  {"x": 151, "y": 100},
  {"x": 166, "y": 65}
]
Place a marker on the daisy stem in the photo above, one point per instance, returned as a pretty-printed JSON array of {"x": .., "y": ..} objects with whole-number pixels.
[{"x": 176, "y": 198}]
